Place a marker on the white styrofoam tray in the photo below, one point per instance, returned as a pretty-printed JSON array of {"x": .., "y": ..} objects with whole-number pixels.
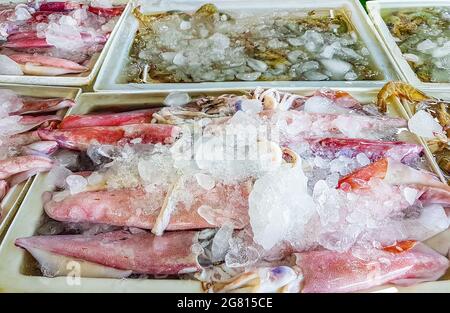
[
  {"x": 13, "y": 198},
  {"x": 111, "y": 77},
  {"x": 77, "y": 80},
  {"x": 375, "y": 9},
  {"x": 18, "y": 269}
]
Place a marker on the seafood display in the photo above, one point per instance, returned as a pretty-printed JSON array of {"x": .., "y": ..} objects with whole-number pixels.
[
  {"x": 430, "y": 119},
  {"x": 209, "y": 45},
  {"x": 22, "y": 153},
  {"x": 423, "y": 37},
  {"x": 45, "y": 38},
  {"x": 265, "y": 191}
]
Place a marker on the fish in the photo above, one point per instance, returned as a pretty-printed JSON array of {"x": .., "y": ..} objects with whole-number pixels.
[
  {"x": 140, "y": 253},
  {"x": 81, "y": 138}
]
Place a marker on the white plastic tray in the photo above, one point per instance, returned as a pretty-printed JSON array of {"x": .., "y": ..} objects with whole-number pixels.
[
  {"x": 78, "y": 80},
  {"x": 17, "y": 267},
  {"x": 406, "y": 72},
  {"x": 12, "y": 200},
  {"x": 110, "y": 77}
]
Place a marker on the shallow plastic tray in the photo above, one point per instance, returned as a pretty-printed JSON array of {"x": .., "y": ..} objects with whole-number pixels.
[
  {"x": 18, "y": 269},
  {"x": 110, "y": 77},
  {"x": 77, "y": 80},
  {"x": 390, "y": 46},
  {"x": 12, "y": 200}
]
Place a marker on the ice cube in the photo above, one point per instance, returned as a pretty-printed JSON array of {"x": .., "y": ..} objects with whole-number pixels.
[
  {"x": 441, "y": 52},
  {"x": 248, "y": 76},
  {"x": 22, "y": 13},
  {"x": 185, "y": 25},
  {"x": 9, "y": 102},
  {"x": 102, "y": 3},
  {"x": 9, "y": 67},
  {"x": 315, "y": 76},
  {"x": 205, "y": 181},
  {"x": 65, "y": 35},
  {"x": 177, "y": 98},
  {"x": 351, "y": 76},
  {"x": 257, "y": 65},
  {"x": 180, "y": 59},
  {"x": 220, "y": 41},
  {"x": 57, "y": 176},
  {"x": 280, "y": 206},
  {"x": 318, "y": 104},
  {"x": 426, "y": 45},
  {"x": 76, "y": 183},
  {"x": 410, "y": 194},
  {"x": 95, "y": 179},
  {"x": 251, "y": 106},
  {"x": 221, "y": 243},
  {"x": 424, "y": 125},
  {"x": 336, "y": 67},
  {"x": 362, "y": 159}
]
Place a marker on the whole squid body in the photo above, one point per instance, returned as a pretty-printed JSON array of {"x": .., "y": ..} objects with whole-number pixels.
[
  {"x": 40, "y": 65},
  {"x": 324, "y": 271},
  {"x": 394, "y": 173},
  {"x": 34, "y": 105},
  {"x": 374, "y": 149},
  {"x": 81, "y": 138},
  {"x": 108, "y": 119},
  {"x": 158, "y": 209},
  {"x": 116, "y": 254},
  {"x": 20, "y": 164}
]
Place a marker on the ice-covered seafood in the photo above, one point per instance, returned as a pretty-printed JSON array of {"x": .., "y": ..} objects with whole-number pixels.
[
  {"x": 423, "y": 37},
  {"x": 22, "y": 154},
  {"x": 46, "y": 38},
  {"x": 261, "y": 202},
  {"x": 210, "y": 45},
  {"x": 430, "y": 118}
]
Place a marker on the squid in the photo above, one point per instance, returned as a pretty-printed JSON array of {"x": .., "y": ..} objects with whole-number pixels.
[
  {"x": 373, "y": 149},
  {"x": 116, "y": 254},
  {"x": 81, "y": 138},
  {"x": 396, "y": 173},
  {"x": 107, "y": 119},
  {"x": 158, "y": 209},
  {"x": 32, "y": 105},
  {"x": 40, "y": 65},
  {"x": 325, "y": 271},
  {"x": 16, "y": 165}
]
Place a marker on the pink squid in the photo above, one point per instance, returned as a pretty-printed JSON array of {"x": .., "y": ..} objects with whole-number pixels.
[
  {"x": 81, "y": 138},
  {"x": 373, "y": 149},
  {"x": 16, "y": 165},
  {"x": 141, "y": 253},
  {"x": 107, "y": 119},
  {"x": 158, "y": 209},
  {"x": 396, "y": 173},
  {"x": 43, "y": 65},
  {"x": 329, "y": 271},
  {"x": 34, "y": 105}
]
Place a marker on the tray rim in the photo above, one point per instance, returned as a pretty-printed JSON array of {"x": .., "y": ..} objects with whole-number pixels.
[{"x": 28, "y": 218}]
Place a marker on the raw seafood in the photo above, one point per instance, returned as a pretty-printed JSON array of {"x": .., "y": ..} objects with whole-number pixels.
[
  {"x": 82, "y": 138},
  {"x": 107, "y": 119},
  {"x": 54, "y": 38},
  {"x": 142, "y": 253},
  {"x": 210, "y": 45}
]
